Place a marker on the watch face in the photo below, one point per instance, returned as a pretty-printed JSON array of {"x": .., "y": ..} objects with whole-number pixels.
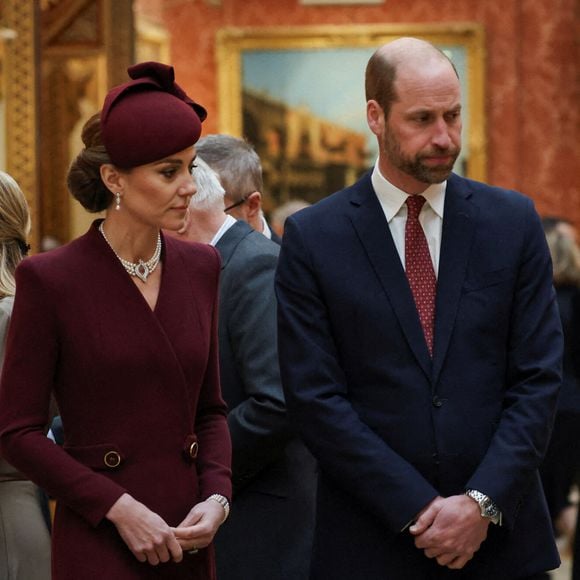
[{"x": 490, "y": 509}]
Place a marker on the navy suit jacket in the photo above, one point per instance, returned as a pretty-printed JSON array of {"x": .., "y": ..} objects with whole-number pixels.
[{"x": 393, "y": 428}]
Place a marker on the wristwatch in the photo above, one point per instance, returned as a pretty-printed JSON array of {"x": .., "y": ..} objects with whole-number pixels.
[
  {"x": 223, "y": 501},
  {"x": 488, "y": 508}
]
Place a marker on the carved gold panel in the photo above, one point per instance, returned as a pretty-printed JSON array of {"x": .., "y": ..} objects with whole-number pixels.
[
  {"x": 87, "y": 46},
  {"x": 19, "y": 97}
]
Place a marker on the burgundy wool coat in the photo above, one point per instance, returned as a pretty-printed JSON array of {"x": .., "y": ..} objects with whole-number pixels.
[{"x": 134, "y": 386}]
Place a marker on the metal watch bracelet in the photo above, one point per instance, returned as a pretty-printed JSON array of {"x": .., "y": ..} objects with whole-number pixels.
[
  {"x": 223, "y": 501},
  {"x": 488, "y": 508}
]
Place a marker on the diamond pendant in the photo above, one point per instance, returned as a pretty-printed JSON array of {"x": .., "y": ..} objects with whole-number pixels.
[{"x": 142, "y": 271}]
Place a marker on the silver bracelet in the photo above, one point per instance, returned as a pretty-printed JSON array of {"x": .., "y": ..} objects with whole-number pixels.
[{"x": 223, "y": 501}]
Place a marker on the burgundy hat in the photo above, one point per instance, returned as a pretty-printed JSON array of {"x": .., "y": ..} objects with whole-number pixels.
[{"x": 149, "y": 117}]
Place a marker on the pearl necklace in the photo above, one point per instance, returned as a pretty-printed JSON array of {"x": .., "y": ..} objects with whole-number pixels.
[{"x": 141, "y": 269}]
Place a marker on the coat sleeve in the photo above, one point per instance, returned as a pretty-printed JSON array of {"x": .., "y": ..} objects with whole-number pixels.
[
  {"x": 258, "y": 424},
  {"x": 215, "y": 449},
  {"x": 317, "y": 395},
  {"x": 533, "y": 377},
  {"x": 30, "y": 368}
]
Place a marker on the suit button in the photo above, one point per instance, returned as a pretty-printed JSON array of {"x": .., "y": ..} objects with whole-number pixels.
[{"x": 437, "y": 402}]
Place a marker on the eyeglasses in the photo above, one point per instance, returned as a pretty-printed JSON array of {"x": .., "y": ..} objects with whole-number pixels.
[{"x": 238, "y": 203}]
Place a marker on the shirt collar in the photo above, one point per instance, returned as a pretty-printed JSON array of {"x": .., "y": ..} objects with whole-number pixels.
[
  {"x": 392, "y": 198},
  {"x": 266, "y": 228},
  {"x": 226, "y": 225}
]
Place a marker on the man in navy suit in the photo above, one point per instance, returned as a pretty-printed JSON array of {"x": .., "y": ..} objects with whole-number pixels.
[
  {"x": 268, "y": 535},
  {"x": 428, "y": 425}
]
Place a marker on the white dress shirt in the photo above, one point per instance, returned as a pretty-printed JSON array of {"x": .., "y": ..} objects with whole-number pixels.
[
  {"x": 392, "y": 200},
  {"x": 266, "y": 231},
  {"x": 228, "y": 223}
]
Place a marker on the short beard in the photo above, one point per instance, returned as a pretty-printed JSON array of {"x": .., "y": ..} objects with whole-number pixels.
[{"x": 414, "y": 166}]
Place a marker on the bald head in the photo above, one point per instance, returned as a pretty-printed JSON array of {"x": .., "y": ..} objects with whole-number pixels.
[
  {"x": 408, "y": 50},
  {"x": 391, "y": 59}
]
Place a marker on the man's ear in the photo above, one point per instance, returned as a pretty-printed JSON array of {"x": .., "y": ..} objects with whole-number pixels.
[
  {"x": 111, "y": 178},
  {"x": 253, "y": 204},
  {"x": 375, "y": 117}
]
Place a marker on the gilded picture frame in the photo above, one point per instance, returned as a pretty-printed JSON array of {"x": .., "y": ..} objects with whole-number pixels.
[{"x": 297, "y": 94}]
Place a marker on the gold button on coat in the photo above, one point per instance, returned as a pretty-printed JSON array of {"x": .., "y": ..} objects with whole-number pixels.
[
  {"x": 112, "y": 459},
  {"x": 193, "y": 449}
]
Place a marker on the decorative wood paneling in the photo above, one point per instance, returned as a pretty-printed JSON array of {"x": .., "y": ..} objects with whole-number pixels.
[
  {"x": 21, "y": 98},
  {"x": 87, "y": 47}
]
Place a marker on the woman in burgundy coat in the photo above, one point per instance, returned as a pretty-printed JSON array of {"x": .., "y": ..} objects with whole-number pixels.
[{"x": 121, "y": 325}]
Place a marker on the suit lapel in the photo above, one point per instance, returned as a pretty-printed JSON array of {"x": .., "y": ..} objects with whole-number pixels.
[
  {"x": 231, "y": 238},
  {"x": 456, "y": 239},
  {"x": 373, "y": 232}
]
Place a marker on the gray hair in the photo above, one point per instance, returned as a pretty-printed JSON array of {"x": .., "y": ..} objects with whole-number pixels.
[
  {"x": 236, "y": 163},
  {"x": 209, "y": 189}
]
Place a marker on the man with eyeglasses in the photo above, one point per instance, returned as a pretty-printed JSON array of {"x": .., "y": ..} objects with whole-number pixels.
[
  {"x": 269, "y": 532},
  {"x": 240, "y": 172}
]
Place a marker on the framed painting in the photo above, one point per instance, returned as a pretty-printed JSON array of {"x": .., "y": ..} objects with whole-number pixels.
[{"x": 297, "y": 94}]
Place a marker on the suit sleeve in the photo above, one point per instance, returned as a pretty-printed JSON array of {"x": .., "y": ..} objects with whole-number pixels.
[
  {"x": 573, "y": 339},
  {"x": 30, "y": 365},
  {"x": 215, "y": 451},
  {"x": 316, "y": 389},
  {"x": 258, "y": 424},
  {"x": 534, "y": 355}
]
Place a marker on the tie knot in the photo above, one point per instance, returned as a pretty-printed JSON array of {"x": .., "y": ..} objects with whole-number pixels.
[{"x": 414, "y": 205}]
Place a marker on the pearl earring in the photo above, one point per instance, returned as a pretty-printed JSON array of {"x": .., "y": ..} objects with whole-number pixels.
[{"x": 117, "y": 201}]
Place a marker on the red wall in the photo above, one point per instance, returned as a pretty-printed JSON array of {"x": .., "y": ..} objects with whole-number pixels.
[{"x": 532, "y": 76}]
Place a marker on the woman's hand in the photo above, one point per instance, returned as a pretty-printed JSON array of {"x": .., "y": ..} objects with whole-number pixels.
[
  {"x": 145, "y": 533},
  {"x": 200, "y": 526}
]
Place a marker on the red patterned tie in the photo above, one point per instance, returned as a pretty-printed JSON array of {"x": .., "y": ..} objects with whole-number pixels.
[{"x": 419, "y": 268}]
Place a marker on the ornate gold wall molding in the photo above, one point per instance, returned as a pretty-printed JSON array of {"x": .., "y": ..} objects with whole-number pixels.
[
  {"x": 20, "y": 86},
  {"x": 87, "y": 46}
]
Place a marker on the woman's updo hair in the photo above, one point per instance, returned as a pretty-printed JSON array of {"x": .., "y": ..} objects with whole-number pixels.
[{"x": 84, "y": 175}]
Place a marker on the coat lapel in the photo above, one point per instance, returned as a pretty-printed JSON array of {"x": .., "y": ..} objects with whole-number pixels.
[
  {"x": 373, "y": 233},
  {"x": 149, "y": 328},
  {"x": 457, "y": 236}
]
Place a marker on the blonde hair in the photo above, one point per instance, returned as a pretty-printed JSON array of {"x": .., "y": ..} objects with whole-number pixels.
[
  {"x": 565, "y": 258},
  {"x": 14, "y": 228}
]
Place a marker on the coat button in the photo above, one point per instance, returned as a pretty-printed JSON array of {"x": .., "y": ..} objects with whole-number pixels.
[
  {"x": 193, "y": 449},
  {"x": 437, "y": 402},
  {"x": 112, "y": 459}
]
